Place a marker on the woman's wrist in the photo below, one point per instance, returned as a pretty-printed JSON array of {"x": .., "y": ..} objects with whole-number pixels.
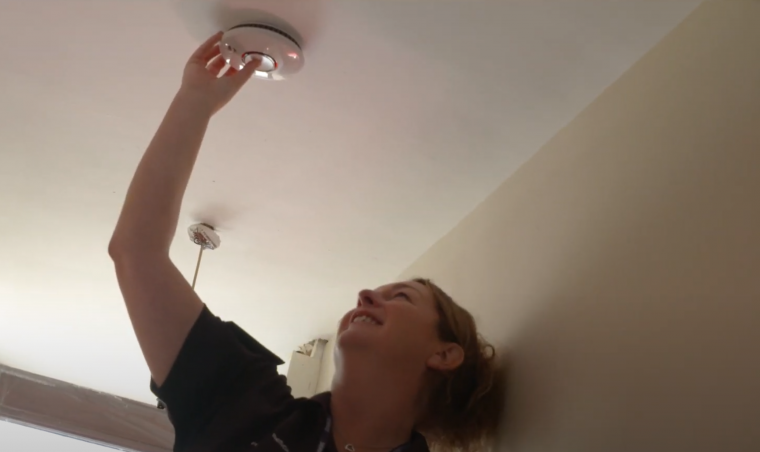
[{"x": 195, "y": 101}]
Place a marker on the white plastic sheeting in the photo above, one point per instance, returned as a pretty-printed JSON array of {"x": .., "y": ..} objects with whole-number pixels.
[
  {"x": 81, "y": 413},
  {"x": 22, "y": 438}
]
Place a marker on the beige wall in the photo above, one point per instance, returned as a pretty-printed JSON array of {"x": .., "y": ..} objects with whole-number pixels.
[
  {"x": 621, "y": 264},
  {"x": 327, "y": 368}
]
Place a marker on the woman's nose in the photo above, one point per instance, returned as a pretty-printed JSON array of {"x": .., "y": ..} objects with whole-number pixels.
[{"x": 368, "y": 298}]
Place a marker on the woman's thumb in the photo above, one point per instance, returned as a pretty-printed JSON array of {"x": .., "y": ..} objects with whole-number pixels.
[
  {"x": 250, "y": 67},
  {"x": 239, "y": 79}
]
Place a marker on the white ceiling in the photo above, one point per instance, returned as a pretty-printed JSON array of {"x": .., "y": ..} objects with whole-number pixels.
[{"x": 406, "y": 115}]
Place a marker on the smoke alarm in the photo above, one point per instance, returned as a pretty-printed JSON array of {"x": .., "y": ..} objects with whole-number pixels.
[{"x": 279, "y": 53}]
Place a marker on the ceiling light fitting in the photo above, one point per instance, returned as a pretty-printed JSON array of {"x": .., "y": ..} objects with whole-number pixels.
[{"x": 203, "y": 235}]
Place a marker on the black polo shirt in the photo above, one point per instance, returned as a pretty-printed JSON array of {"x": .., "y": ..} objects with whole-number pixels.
[{"x": 224, "y": 394}]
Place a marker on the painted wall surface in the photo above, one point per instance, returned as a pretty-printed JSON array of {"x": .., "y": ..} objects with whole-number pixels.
[
  {"x": 621, "y": 264},
  {"x": 327, "y": 370}
]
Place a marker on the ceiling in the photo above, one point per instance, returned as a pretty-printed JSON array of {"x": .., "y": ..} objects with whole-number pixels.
[{"x": 405, "y": 117}]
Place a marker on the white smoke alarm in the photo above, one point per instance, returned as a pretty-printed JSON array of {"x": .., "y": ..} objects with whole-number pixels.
[{"x": 279, "y": 53}]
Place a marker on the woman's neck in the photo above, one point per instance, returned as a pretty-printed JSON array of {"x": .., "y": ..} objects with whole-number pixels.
[{"x": 373, "y": 407}]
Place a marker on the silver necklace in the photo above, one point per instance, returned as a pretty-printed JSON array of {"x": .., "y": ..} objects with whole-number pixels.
[{"x": 349, "y": 447}]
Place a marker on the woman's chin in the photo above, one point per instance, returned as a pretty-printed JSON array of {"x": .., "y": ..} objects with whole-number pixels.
[{"x": 357, "y": 336}]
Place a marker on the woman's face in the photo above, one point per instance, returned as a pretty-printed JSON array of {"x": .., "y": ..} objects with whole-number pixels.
[{"x": 397, "y": 321}]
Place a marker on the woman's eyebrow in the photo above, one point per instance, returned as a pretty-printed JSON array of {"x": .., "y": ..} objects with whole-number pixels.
[{"x": 405, "y": 286}]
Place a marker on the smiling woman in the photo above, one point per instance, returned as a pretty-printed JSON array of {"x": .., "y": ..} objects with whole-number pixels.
[
  {"x": 397, "y": 327},
  {"x": 411, "y": 370}
]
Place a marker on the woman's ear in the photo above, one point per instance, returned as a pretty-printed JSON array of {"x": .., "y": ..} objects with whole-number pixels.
[{"x": 448, "y": 357}]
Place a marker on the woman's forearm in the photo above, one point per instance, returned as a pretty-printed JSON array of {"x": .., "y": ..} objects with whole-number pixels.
[{"x": 148, "y": 220}]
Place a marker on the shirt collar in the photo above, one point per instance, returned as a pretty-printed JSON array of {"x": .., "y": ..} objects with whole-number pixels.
[{"x": 417, "y": 443}]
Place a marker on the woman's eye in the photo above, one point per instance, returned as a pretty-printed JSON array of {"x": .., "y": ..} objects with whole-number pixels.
[{"x": 403, "y": 295}]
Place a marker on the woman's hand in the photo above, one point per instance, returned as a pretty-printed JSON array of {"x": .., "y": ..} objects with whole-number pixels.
[{"x": 202, "y": 81}]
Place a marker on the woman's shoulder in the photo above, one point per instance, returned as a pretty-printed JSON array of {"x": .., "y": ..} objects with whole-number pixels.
[{"x": 224, "y": 384}]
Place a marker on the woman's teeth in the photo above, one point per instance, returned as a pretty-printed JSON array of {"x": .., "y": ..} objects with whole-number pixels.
[{"x": 366, "y": 319}]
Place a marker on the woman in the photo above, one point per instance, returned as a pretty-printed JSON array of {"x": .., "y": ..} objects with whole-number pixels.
[{"x": 410, "y": 367}]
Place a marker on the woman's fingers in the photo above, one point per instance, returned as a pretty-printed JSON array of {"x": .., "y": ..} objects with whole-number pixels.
[
  {"x": 235, "y": 80},
  {"x": 213, "y": 52},
  {"x": 242, "y": 76},
  {"x": 216, "y": 65},
  {"x": 208, "y": 49},
  {"x": 251, "y": 65}
]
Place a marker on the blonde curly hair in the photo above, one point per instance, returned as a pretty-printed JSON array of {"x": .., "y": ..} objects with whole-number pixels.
[{"x": 463, "y": 407}]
